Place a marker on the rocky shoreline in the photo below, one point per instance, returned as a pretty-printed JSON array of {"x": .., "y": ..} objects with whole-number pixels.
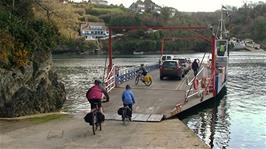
[{"x": 31, "y": 89}]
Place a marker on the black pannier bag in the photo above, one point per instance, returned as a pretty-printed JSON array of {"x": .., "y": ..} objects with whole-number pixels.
[
  {"x": 100, "y": 117},
  {"x": 88, "y": 118},
  {"x": 120, "y": 111}
]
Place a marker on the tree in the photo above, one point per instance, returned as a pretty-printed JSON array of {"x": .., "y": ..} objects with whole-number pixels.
[
  {"x": 165, "y": 12},
  {"x": 259, "y": 31},
  {"x": 23, "y": 34}
]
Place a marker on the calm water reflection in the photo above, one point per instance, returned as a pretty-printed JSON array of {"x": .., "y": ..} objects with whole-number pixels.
[{"x": 236, "y": 121}]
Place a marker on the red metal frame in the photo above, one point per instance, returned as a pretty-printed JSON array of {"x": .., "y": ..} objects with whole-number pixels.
[
  {"x": 110, "y": 50},
  {"x": 213, "y": 69},
  {"x": 146, "y": 28}
]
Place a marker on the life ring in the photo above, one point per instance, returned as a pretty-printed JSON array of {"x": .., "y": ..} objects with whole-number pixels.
[
  {"x": 203, "y": 82},
  {"x": 196, "y": 84}
]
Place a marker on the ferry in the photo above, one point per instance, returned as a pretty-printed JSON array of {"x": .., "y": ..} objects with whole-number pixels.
[{"x": 180, "y": 95}]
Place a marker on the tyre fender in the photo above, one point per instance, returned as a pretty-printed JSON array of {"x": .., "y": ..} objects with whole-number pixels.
[
  {"x": 203, "y": 83},
  {"x": 196, "y": 84}
]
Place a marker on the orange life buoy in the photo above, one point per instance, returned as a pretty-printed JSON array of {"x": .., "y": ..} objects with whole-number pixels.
[
  {"x": 196, "y": 84},
  {"x": 203, "y": 82}
]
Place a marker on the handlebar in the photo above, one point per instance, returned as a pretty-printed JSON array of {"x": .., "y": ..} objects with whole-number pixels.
[{"x": 105, "y": 101}]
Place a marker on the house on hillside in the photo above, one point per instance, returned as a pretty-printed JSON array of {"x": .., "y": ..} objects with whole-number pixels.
[
  {"x": 146, "y": 6},
  {"x": 173, "y": 11},
  {"x": 78, "y": 1},
  {"x": 93, "y": 30},
  {"x": 63, "y": 1},
  {"x": 98, "y": 2},
  {"x": 157, "y": 9},
  {"x": 138, "y": 7}
]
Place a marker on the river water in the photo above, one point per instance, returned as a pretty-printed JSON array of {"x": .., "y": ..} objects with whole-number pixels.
[{"x": 237, "y": 120}]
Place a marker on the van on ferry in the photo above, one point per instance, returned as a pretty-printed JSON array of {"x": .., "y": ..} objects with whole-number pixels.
[{"x": 165, "y": 58}]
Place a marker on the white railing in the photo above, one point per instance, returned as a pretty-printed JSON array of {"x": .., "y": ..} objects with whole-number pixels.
[
  {"x": 199, "y": 91},
  {"x": 109, "y": 80},
  {"x": 116, "y": 77},
  {"x": 126, "y": 74}
]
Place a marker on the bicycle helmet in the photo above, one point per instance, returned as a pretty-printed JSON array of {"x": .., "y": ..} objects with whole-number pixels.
[{"x": 97, "y": 82}]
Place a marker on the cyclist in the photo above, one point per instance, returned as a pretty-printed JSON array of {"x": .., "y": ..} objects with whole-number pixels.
[
  {"x": 95, "y": 95},
  {"x": 128, "y": 99},
  {"x": 142, "y": 70}
]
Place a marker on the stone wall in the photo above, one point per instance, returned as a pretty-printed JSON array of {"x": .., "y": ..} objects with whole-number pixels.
[{"x": 31, "y": 89}]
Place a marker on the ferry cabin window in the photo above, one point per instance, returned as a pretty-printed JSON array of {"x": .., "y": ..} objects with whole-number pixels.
[{"x": 221, "y": 48}]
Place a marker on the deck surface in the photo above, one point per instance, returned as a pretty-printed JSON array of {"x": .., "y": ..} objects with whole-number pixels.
[{"x": 156, "y": 101}]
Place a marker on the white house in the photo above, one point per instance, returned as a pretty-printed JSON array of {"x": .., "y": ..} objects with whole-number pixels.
[
  {"x": 99, "y": 2},
  {"x": 96, "y": 2},
  {"x": 78, "y": 1},
  {"x": 93, "y": 30},
  {"x": 140, "y": 8}
]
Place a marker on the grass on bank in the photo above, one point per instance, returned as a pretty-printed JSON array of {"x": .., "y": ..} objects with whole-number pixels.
[
  {"x": 11, "y": 124},
  {"x": 44, "y": 119},
  {"x": 38, "y": 118}
]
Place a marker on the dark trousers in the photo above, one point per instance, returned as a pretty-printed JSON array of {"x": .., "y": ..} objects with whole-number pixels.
[
  {"x": 95, "y": 102},
  {"x": 130, "y": 107},
  {"x": 195, "y": 72}
]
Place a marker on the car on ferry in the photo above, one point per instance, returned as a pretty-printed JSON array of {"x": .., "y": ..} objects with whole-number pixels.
[
  {"x": 171, "y": 68},
  {"x": 185, "y": 63}
]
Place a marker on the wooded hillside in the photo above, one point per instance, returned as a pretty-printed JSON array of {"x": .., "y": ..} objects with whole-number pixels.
[{"x": 245, "y": 22}]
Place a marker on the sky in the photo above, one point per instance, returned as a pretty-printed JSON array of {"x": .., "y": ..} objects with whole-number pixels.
[{"x": 190, "y": 5}]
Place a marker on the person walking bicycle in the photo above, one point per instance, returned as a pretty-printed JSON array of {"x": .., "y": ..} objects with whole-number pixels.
[{"x": 128, "y": 100}]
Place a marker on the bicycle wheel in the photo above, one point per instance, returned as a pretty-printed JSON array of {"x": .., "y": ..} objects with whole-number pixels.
[
  {"x": 94, "y": 124},
  {"x": 137, "y": 79},
  {"x": 100, "y": 126}
]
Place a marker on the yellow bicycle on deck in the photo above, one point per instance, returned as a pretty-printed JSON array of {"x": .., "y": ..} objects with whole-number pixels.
[{"x": 147, "y": 80}]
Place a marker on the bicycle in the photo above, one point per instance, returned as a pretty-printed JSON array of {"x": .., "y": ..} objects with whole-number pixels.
[
  {"x": 147, "y": 80},
  {"x": 96, "y": 120},
  {"x": 125, "y": 116}
]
